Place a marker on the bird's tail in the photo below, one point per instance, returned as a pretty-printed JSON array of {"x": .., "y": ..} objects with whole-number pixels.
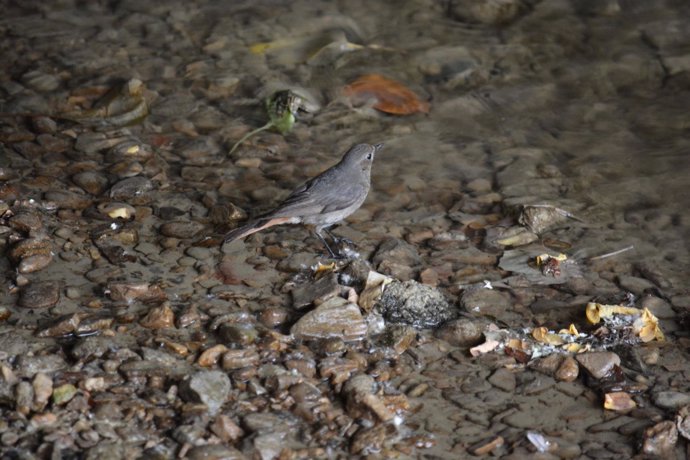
[{"x": 253, "y": 227}]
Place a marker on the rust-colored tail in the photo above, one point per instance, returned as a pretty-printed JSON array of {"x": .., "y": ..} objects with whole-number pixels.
[{"x": 253, "y": 227}]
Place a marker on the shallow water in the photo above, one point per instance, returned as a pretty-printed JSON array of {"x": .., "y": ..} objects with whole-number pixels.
[{"x": 582, "y": 105}]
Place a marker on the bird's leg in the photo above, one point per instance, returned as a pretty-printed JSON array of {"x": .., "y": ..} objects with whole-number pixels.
[
  {"x": 339, "y": 240},
  {"x": 317, "y": 232}
]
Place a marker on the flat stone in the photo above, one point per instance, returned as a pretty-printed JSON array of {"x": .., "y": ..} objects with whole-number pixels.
[
  {"x": 40, "y": 295},
  {"x": 462, "y": 332},
  {"x": 335, "y": 318},
  {"x": 503, "y": 379},
  {"x": 672, "y": 400},
  {"x": 485, "y": 302},
  {"x": 634, "y": 284},
  {"x": 181, "y": 229}
]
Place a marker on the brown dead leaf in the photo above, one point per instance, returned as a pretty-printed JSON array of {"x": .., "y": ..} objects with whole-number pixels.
[{"x": 391, "y": 96}]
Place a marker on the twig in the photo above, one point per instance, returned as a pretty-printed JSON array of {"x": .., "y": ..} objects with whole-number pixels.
[
  {"x": 251, "y": 133},
  {"x": 611, "y": 254}
]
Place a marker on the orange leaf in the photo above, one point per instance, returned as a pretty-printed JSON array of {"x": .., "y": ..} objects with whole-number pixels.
[{"x": 391, "y": 96}]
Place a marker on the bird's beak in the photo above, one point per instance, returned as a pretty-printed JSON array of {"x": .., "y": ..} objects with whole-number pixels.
[{"x": 378, "y": 147}]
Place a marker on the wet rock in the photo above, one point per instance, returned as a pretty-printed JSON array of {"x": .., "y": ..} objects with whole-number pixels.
[
  {"x": 269, "y": 445},
  {"x": 567, "y": 371},
  {"x": 92, "y": 182},
  {"x": 396, "y": 258},
  {"x": 214, "y": 452},
  {"x": 360, "y": 396},
  {"x": 171, "y": 368},
  {"x": 159, "y": 317},
  {"x": 503, "y": 379},
  {"x": 24, "y": 396},
  {"x": 683, "y": 422},
  {"x": 485, "y": 302},
  {"x": 486, "y": 446},
  {"x": 333, "y": 318},
  {"x": 371, "y": 439},
  {"x": 454, "y": 65},
  {"x": 42, "y": 124},
  {"x": 209, "y": 387},
  {"x": 659, "y": 307},
  {"x": 34, "y": 263},
  {"x": 30, "y": 247},
  {"x": 40, "y": 81},
  {"x": 133, "y": 190},
  {"x": 226, "y": 429},
  {"x": 415, "y": 304},
  {"x": 273, "y": 316},
  {"x": 660, "y": 439},
  {"x": 672, "y": 400},
  {"x": 237, "y": 359},
  {"x": 548, "y": 364},
  {"x": 539, "y": 219},
  {"x": 61, "y": 326},
  {"x": 26, "y": 221},
  {"x": 210, "y": 356},
  {"x": 492, "y": 12},
  {"x": 238, "y": 333},
  {"x": 43, "y": 389},
  {"x": 29, "y": 366},
  {"x": 181, "y": 229},
  {"x": 40, "y": 295},
  {"x": 461, "y": 332},
  {"x": 64, "y": 394},
  {"x": 68, "y": 200},
  {"x": 399, "y": 337},
  {"x": 129, "y": 292},
  {"x": 269, "y": 422},
  {"x": 315, "y": 292},
  {"x": 598, "y": 363},
  {"x": 115, "y": 210},
  {"x": 634, "y": 284},
  {"x": 199, "y": 150}
]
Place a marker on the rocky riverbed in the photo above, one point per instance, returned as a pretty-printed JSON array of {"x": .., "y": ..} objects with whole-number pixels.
[{"x": 518, "y": 282}]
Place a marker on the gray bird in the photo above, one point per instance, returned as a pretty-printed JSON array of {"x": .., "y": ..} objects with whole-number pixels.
[{"x": 324, "y": 200}]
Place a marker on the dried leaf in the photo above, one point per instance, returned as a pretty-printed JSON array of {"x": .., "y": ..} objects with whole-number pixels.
[
  {"x": 647, "y": 327},
  {"x": 376, "y": 283},
  {"x": 485, "y": 347},
  {"x": 572, "y": 330},
  {"x": 596, "y": 312},
  {"x": 541, "y": 334},
  {"x": 390, "y": 96}
]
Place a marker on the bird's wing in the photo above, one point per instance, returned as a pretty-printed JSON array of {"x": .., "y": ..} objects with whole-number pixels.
[{"x": 317, "y": 196}]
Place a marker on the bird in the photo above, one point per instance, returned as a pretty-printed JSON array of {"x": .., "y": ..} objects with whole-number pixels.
[{"x": 323, "y": 200}]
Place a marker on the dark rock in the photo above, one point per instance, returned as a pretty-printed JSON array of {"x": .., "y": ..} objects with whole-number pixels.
[
  {"x": 40, "y": 295},
  {"x": 319, "y": 291},
  {"x": 415, "y": 304}
]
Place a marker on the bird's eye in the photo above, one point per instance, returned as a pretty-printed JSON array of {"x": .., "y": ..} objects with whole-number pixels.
[{"x": 370, "y": 156}]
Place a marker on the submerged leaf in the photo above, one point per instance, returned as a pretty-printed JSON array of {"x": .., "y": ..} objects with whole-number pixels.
[
  {"x": 389, "y": 95},
  {"x": 121, "y": 106}
]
